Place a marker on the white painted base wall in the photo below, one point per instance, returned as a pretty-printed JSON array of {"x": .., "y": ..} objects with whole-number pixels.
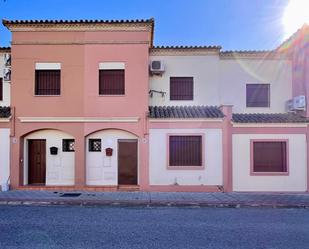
[
  {"x": 102, "y": 170},
  {"x": 160, "y": 175},
  {"x": 4, "y": 155},
  {"x": 59, "y": 168},
  {"x": 295, "y": 181}
]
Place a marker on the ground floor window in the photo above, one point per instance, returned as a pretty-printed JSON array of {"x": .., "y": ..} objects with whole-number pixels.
[
  {"x": 68, "y": 145},
  {"x": 185, "y": 150},
  {"x": 95, "y": 145},
  {"x": 269, "y": 156}
]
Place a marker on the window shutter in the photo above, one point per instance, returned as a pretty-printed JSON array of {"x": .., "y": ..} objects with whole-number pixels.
[
  {"x": 269, "y": 157},
  {"x": 257, "y": 95}
]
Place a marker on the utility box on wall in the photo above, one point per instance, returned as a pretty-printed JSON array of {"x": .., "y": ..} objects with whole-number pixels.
[
  {"x": 108, "y": 151},
  {"x": 53, "y": 150}
]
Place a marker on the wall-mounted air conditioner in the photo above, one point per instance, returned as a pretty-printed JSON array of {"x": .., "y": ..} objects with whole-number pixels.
[
  {"x": 7, "y": 60},
  {"x": 156, "y": 67},
  {"x": 297, "y": 103},
  {"x": 7, "y": 74}
]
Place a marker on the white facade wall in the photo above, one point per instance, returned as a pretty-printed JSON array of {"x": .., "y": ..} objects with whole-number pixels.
[
  {"x": 6, "y": 86},
  {"x": 295, "y": 181},
  {"x": 210, "y": 175},
  {"x": 236, "y": 73},
  {"x": 60, "y": 167},
  {"x": 204, "y": 69},
  {"x": 102, "y": 170},
  {"x": 4, "y": 155},
  {"x": 220, "y": 81}
]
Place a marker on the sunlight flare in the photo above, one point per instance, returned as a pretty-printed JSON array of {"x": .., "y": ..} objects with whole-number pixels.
[{"x": 295, "y": 15}]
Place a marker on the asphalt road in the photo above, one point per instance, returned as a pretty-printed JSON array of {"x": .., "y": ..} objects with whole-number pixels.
[{"x": 157, "y": 227}]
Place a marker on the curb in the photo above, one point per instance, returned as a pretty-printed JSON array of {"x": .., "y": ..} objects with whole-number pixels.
[{"x": 110, "y": 203}]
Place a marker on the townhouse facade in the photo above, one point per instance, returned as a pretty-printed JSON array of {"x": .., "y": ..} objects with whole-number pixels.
[{"x": 94, "y": 105}]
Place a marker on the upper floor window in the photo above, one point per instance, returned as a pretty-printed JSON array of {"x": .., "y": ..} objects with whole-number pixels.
[
  {"x": 111, "y": 78},
  {"x": 1, "y": 89},
  {"x": 111, "y": 82},
  {"x": 185, "y": 150},
  {"x": 258, "y": 95},
  {"x": 181, "y": 88},
  {"x": 47, "y": 79},
  {"x": 269, "y": 156}
]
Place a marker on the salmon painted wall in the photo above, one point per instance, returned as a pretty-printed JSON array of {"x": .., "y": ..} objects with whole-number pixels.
[
  {"x": 135, "y": 101},
  {"x": 79, "y": 73},
  {"x": 79, "y": 54}
]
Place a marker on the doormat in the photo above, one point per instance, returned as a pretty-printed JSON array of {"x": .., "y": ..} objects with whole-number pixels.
[{"x": 70, "y": 195}]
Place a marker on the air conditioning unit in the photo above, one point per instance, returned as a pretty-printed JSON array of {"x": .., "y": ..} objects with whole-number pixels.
[
  {"x": 157, "y": 67},
  {"x": 7, "y": 60},
  {"x": 298, "y": 103},
  {"x": 7, "y": 74}
]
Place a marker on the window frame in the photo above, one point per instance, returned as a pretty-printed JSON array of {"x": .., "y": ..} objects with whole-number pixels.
[
  {"x": 268, "y": 97},
  {"x": 254, "y": 173},
  {"x": 124, "y": 82},
  {"x": 170, "y": 86},
  {"x": 179, "y": 167},
  {"x": 35, "y": 83},
  {"x": 90, "y": 148},
  {"x": 64, "y": 146}
]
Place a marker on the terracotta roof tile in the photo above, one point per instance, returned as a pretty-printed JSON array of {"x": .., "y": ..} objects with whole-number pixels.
[
  {"x": 185, "y": 112},
  {"x": 5, "y": 49},
  {"x": 187, "y": 47},
  {"x": 4, "y": 21},
  {"x": 268, "y": 118}
]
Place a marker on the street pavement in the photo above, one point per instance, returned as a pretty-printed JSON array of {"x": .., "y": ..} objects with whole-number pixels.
[
  {"x": 20, "y": 197},
  {"x": 152, "y": 227}
]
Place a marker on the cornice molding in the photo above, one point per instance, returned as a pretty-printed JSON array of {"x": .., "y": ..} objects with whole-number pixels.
[
  {"x": 78, "y": 119},
  {"x": 76, "y": 42},
  {"x": 183, "y": 52},
  {"x": 79, "y": 27}
]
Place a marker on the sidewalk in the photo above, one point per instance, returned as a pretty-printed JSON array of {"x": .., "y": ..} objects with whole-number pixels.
[{"x": 276, "y": 200}]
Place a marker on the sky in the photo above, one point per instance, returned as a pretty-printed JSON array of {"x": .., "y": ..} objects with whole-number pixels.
[{"x": 232, "y": 24}]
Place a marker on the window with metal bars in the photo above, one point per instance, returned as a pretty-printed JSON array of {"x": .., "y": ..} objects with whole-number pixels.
[
  {"x": 181, "y": 88},
  {"x": 47, "y": 82},
  {"x": 111, "y": 82},
  {"x": 185, "y": 150},
  {"x": 94, "y": 145}
]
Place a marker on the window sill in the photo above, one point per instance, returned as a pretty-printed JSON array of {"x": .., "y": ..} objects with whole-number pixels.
[
  {"x": 110, "y": 95},
  {"x": 185, "y": 167},
  {"x": 186, "y": 100},
  {"x": 262, "y": 107},
  {"x": 46, "y": 95},
  {"x": 269, "y": 174}
]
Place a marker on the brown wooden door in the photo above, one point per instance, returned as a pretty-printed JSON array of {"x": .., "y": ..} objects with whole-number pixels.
[
  {"x": 37, "y": 161},
  {"x": 127, "y": 162}
]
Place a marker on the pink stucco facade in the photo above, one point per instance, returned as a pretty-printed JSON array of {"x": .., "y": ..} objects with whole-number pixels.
[{"x": 79, "y": 53}]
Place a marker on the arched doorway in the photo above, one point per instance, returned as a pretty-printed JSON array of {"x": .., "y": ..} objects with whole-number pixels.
[
  {"x": 111, "y": 158},
  {"x": 49, "y": 158}
]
